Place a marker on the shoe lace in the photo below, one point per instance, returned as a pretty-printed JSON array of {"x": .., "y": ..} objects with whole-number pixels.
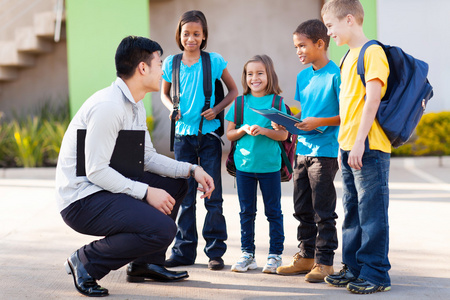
[{"x": 297, "y": 256}]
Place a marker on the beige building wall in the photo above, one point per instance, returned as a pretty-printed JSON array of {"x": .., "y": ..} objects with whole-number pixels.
[
  {"x": 238, "y": 29},
  {"x": 46, "y": 80}
]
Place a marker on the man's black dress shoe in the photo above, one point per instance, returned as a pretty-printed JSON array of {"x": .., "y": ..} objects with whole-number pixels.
[
  {"x": 84, "y": 283},
  {"x": 138, "y": 273}
]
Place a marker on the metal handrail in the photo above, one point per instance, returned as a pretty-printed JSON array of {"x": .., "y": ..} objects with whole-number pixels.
[{"x": 59, "y": 13}]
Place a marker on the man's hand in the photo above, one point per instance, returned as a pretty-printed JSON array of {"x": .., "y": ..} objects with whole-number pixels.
[
  {"x": 206, "y": 182},
  {"x": 160, "y": 199}
]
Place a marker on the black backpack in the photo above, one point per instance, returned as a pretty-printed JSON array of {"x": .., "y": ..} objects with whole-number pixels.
[
  {"x": 407, "y": 94},
  {"x": 207, "y": 90}
]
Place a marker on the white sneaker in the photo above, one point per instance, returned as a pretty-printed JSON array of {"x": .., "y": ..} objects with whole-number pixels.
[
  {"x": 245, "y": 262},
  {"x": 273, "y": 262}
]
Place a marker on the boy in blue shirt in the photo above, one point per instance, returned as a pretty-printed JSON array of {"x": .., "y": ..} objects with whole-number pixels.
[{"x": 316, "y": 156}]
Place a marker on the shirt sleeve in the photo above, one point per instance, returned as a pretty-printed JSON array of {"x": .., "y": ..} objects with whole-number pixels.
[
  {"x": 230, "y": 114},
  {"x": 167, "y": 68},
  {"x": 218, "y": 64}
]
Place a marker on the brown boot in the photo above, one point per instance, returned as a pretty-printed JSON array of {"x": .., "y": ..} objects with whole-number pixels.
[
  {"x": 299, "y": 265},
  {"x": 318, "y": 273}
]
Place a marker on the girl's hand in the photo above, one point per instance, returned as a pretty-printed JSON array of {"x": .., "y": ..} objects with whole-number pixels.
[
  {"x": 245, "y": 128},
  {"x": 276, "y": 126},
  {"x": 209, "y": 114},
  {"x": 308, "y": 124},
  {"x": 257, "y": 130},
  {"x": 177, "y": 117}
]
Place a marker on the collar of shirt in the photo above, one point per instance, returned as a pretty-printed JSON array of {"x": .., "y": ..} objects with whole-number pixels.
[{"x": 125, "y": 90}]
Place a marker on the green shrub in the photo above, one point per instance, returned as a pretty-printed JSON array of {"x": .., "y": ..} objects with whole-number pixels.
[
  {"x": 33, "y": 140},
  {"x": 6, "y": 145},
  {"x": 433, "y": 134},
  {"x": 432, "y": 137},
  {"x": 28, "y": 141}
]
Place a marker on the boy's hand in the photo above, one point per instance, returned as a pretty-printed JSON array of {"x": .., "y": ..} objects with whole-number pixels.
[
  {"x": 355, "y": 156},
  {"x": 308, "y": 124}
]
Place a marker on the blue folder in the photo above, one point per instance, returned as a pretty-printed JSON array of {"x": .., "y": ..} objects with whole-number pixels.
[{"x": 285, "y": 120}]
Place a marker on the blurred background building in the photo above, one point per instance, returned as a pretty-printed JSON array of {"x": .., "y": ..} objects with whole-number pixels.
[{"x": 54, "y": 50}]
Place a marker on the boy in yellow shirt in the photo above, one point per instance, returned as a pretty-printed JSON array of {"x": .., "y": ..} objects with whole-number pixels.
[{"x": 365, "y": 155}]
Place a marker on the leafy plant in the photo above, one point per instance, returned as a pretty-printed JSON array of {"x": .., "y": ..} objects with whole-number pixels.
[{"x": 27, "y": 137}]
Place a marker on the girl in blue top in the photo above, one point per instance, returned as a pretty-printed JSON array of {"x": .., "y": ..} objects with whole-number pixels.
[
  {"x": 258, "y": 159},
  {"x": 191, "y": 36}
]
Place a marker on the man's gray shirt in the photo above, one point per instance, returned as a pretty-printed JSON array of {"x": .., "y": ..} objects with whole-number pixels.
[{"x": 103, "y": 115}]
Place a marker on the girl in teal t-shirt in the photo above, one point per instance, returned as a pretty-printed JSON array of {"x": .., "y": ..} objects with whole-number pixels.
[{"x": 258, "y": 159}]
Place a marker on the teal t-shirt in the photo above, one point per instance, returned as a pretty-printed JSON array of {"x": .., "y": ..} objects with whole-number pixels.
[
  {"x": 318, "y": 93},
  {"x": 192, "y": 98},
  {"x": 256, "y": 154}
]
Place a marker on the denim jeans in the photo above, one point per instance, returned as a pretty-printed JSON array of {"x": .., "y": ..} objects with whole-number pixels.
[
  {"x": 365, "y": 230},
  {"x": 208, "y": 154},
  {"x": 270, "y": 185},
  {"x": 314, "y": 207}
]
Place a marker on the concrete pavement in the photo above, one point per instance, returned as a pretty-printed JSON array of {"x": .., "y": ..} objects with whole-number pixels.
[{"x": 34, "y": 243}]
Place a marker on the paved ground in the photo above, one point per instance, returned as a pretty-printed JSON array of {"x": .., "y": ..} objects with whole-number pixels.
[{"x": 34, "y": 243}]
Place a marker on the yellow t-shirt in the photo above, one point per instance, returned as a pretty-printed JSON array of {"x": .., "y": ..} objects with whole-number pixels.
[{"x": 351, "y": 97}]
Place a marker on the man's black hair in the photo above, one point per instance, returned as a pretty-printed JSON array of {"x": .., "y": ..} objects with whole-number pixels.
[{"x": 131, "y": 51}]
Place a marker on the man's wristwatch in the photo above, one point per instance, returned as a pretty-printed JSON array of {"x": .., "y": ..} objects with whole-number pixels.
[
  {"x": 145, "y": 196},
  {"x": 192, "y": 170}
]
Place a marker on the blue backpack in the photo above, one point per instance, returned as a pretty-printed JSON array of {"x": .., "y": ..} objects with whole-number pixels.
[{"x": 408, "y": 92}]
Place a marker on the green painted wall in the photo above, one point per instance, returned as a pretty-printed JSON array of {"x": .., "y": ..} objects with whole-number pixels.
[
  {"x": 94, "y": 30},
  {"x": 369, "y": 26}
]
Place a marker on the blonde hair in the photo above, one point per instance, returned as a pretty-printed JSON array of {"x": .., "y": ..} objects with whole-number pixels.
[
  {"x": 272, "y": 78},
  {"x": 341, "y": 8}
]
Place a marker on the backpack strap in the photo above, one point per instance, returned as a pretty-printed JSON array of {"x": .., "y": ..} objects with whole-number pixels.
[
  {"x": 276, "y": 103},
  {"x": 239, "y": 111},
  {"x": 176, "y": 80},
  {"x": 175, "y": 95},
  {"x": 207, "y": 88},
  {"x": 360, "y": 64}
]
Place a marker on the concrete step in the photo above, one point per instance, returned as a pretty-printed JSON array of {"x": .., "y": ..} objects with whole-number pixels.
[
  {"x": 27, "y": 41},
  {"x": 44, "y": 24},
  {"x": 10, "y": 57}
]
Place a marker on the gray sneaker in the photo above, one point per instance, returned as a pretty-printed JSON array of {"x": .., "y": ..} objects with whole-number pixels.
[
  {"x": 245, "y": 262},
  {"x": 273, "y": 262}
]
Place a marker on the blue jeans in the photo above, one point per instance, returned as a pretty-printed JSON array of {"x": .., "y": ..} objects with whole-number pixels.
[
  {"x": 365, "y": 231},
  {"x": 270, "y": 185},
  {"x": 208, "y": 154}
]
